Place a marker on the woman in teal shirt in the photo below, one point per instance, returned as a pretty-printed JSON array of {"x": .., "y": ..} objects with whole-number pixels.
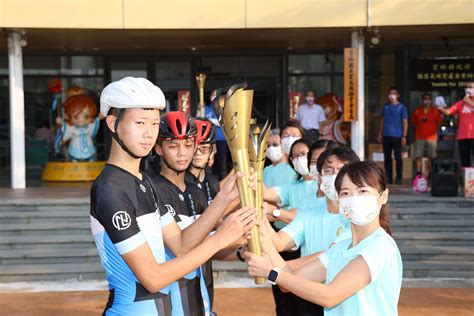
[
  {"x": 358, "y": 276},
  {"x": 291, "y": 196}
]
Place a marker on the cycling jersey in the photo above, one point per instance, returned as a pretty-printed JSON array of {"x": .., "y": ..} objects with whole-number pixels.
[
  {"x": 209, "y": 186},
  {"x": 188, "y": 297},
  {"x": 125, "y": 214}
]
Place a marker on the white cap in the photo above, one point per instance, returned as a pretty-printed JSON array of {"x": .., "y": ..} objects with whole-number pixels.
[{"x": 131, "y": 93}]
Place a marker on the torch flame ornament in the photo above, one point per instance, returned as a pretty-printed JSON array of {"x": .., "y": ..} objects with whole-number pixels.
[
  {"x": 257, "y": 153},
  {"x": 234, "y": 111},
  {"x": 201, "y": 81}
]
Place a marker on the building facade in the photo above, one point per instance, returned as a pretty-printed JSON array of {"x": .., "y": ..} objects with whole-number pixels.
[{"x": 277, "y": 47}]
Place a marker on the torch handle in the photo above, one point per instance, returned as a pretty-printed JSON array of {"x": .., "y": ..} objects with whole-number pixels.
[
  {"x": 201, "y": 101},
  {"x": 247, "y": 198}
]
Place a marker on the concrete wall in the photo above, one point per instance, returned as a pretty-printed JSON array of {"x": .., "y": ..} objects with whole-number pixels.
[{"x": 229, "y": 14}]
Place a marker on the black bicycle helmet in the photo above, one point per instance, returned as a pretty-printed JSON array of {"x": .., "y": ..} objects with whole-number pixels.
[{"x": 206, "y": 131}]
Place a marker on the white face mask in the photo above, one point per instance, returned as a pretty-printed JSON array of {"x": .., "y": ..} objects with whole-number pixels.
[
  {"x": 470, "y": 92},
  {"x": 286, "y": 143},
  {"x": 328, "y": 188},
  {"x": 274, "y": 153},
  {"x": 360, "y": 209},
  {"x": 309, "y": 100},
  {"x": 301, "y": 165},
  {"x": 313, "y": 171},
  {"x": 392, "y": 97},
  {"x": 426, "y": 102}
]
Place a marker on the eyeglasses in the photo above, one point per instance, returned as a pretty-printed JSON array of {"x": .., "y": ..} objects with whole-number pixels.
[
  {"x": 298, "y": 155},
  {"x": 329, "y": 172},
  {"x": 203, "y": 149},
  {"x": 273, "y": 144}
]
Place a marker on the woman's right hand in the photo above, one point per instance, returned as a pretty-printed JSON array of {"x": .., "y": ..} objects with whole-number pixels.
[
  {"x": 235, "y": 226},
  {"x": 268, "y": 211}
]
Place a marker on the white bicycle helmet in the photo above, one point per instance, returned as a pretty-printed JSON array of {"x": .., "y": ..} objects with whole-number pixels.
[{"x": 131, "y": 93}]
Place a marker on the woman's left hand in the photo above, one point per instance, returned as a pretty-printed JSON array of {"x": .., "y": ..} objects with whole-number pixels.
[
  {"x": 258, "y": 266},
  {"x": 266, "y": 241}
]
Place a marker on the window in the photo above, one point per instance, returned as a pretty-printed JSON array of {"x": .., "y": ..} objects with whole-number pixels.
[{"x": 321, "y": 73}]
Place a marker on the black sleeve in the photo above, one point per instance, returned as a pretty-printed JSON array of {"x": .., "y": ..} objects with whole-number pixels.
[
  {"x": 199, "y": 198},
  {"x": 213, "y": 183},
  {"x": 116, "y": 212},
  {"x": 165, "y": 201}
]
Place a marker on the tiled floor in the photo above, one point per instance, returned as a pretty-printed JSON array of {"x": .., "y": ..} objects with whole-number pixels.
[{"x": 232, "y": 302}]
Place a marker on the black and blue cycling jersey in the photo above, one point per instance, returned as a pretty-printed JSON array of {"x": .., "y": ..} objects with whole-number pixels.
[
  {"x": 125, "y": 214},
  {"x": 189, "y": 295}
]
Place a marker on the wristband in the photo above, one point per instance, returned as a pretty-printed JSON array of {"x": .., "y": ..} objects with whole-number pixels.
[{"x": 239, "y": 255}]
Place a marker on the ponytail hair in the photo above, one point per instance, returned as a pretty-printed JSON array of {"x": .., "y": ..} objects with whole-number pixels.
[{"x": 367, "y": 173}]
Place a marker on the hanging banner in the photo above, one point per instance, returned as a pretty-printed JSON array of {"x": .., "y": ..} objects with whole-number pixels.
[
  {"x": 441, "y": 73},
  {"x": 351, "y": 72},
  {"x": 295, "y": 98},
  {"x": 184, "y": 102}
]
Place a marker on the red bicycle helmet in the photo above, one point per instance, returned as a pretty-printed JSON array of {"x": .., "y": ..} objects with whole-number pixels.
[
  {"x": 206, "y": 131},
  {"x": 175, "y": 125}
]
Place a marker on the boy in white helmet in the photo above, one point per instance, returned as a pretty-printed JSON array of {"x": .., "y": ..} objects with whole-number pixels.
[{"x": 129, "y": 223}]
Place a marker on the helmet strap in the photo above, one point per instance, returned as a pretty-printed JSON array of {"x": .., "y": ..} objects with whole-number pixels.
[{"x": 117, "y": 138}]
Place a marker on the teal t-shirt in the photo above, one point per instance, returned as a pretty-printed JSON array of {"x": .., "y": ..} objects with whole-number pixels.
[
  {"x": 315, "y": 229},
  {"x": 280, "y": 174},
  {"x": 380, "y": 296},
  {"x": 299, "y": 195}
]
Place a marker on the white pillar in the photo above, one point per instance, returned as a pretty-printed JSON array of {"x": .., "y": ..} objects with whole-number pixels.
[
  {"x": 17, "y": 111},
  {"x": 358, "y": 127}
]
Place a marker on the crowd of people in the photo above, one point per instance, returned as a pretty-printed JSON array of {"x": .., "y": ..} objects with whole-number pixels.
[
  {"x": 326, "y": 243},
  {"x": 426, "y": 120}
]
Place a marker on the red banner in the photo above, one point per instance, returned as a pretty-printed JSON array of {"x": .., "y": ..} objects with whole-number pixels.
[
  {"x": 295, "y": 98},
  {"x": 184, "y": 102}
]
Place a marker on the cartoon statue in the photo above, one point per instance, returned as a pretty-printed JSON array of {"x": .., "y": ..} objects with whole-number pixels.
[
  {"x": 333, "y": 128},
  {"x": 80, "y": 127}
]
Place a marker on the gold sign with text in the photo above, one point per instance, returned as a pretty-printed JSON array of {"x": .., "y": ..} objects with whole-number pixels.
[{"x": 351, "y": 56}]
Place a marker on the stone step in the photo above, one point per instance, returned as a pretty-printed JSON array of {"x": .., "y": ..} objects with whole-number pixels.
[
  {"x": 432, "y": 225},
  {"x": 432, "y": 202},
  {"x": 94, "y": 270},
  {"x": 48, "y": 256},
  {"x": 411, "y": 269},
  {"x": 46, "y": 242},
  {"x": 45, "y": 228},
  {"x": 433, "y": 239},
  {"x": 437, "y": 253},
  {"x": 430, "y": 208},
  {"x": 438, "y": 269},
  {"x": 44, "y": 207},
  {"x": 25, "y": 217},
  {"x": 51, "y": 272},
  {"x": 432, "y": 213}
]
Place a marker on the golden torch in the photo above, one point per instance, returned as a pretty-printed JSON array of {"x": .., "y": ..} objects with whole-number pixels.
[
  {"x": 234, "y": 110},
  {"x": 201, "y": 81}
]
